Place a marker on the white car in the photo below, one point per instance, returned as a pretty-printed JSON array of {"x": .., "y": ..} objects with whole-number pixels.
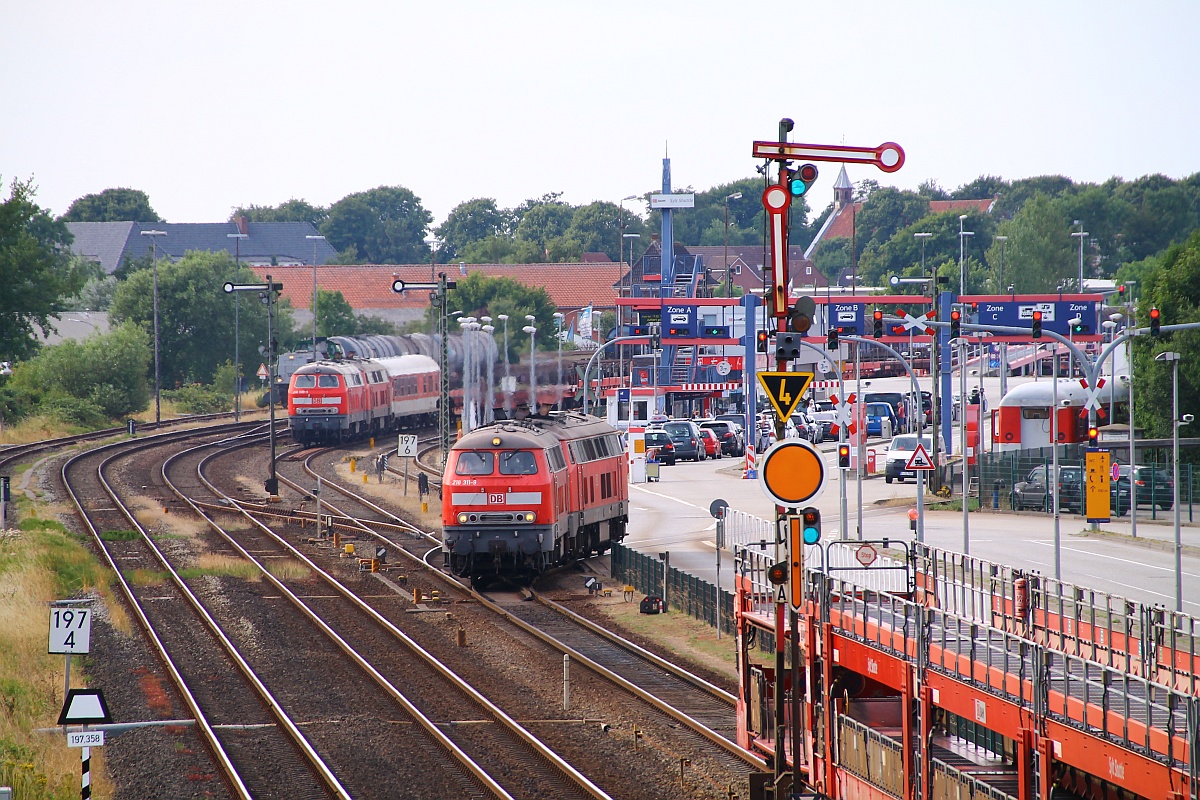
[{"x": 900, "y": 450}]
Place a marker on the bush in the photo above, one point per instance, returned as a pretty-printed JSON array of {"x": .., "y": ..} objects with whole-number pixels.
[
  {"x": 198, "y": 399},
  {"x": 74, "y": 411}
]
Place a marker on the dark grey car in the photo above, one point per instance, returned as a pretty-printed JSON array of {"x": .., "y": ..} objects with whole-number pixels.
[{"x": 686, "y": 438}]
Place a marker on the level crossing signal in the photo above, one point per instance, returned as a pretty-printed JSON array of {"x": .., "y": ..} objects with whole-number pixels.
[
  {"x": 1155, "y": 322},
  {"x": 955, "y": 324},
  {"x": 877, "y": 318},
  {"x": 1037, "y": 324},
  {"x": 1093, "y": 436},
  {"x": 799, "y": 180},
  {"x": 762, "y": 338},
  {"x": 844, "y": 456}
]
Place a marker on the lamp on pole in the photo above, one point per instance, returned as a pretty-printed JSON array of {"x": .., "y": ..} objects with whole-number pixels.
[
  {"x": 620, "y": 331},
  {"x": 490, "y": 408},
  {"x": 558, "y": 324},
  {"x": 486, "y": 326},
  {"x": 157, "y": 379},
  {"x": 728, "y": 277},
  {"x": 532, "y": 331},
  {"x": 1003, "y": 240},
  {"x": 1173, "y": 359},
  {"x": 267, "y": 294},
  {"x": 314, "y": 240},
  {"x": 507, "y": 394},
  {"x": 962, "y": 268},
  {"x": 1081, "y": 233},
  {"x": 237, "y": 353}
]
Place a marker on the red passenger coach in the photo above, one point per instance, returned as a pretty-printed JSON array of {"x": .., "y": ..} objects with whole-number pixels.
[
  {"x": 522, "y": 496},
  {"x": 339, "y": 401}
]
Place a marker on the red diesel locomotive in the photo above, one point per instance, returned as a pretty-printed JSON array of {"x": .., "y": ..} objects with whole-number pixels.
[
  {"x": 338, "y": 401},
  {"x": 522, "y": 496}
]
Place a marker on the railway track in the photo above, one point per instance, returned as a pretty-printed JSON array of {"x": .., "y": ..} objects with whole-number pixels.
[
  {"x": 436, "y": 702},
  {"x": 705, "y": 709}
]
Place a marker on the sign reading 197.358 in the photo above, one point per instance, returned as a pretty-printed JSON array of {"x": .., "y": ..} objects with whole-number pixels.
[{"x": 70, "y": 630}]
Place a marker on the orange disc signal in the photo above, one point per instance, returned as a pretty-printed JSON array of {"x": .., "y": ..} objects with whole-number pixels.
[{"x": 792, "y": 473}]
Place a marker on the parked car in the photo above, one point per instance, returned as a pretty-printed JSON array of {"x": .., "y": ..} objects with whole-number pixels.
[
  {"x": 881, "y": 420},
  {"x": 730, "y": 437},
  {"x": 660, "y": 442},
  {"x": 823, "y": 415},
  {"x": 901, "y": 450},
  {"x": 738, "y": 421},
  {"x": 1154, "y": 486},
  {"x": 712, "y": 447},
  {"x": 1032, "y": 492},
  {"x": 899, "y": 405},
  {"x": 806, "y": 428},
  {"x": 686, "y": 438}
]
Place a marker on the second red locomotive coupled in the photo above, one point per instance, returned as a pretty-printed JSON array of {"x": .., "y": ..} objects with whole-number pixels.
[
  {"x": 338, "y": 401},
  {"x": 522, "y": 496}
]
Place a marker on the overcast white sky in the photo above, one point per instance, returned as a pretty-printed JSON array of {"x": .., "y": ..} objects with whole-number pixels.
[{"x": 207, "y": 106}]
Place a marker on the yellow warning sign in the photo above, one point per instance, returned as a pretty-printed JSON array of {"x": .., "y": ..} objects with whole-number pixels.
[
  {"x": 785, "y": 390},
  {"x": 1098, "y": 486}
]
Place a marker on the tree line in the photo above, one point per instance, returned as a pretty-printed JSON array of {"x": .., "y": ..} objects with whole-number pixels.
[{"x": 1141, "y": 230}]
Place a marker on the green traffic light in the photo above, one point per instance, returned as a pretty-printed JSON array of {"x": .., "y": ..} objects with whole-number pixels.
[{"x": 811, "y": 535}]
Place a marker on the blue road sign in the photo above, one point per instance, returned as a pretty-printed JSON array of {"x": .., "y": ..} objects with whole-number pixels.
[
  {"x": 679, "y": 322},
  {"x": 1056, "y": 314},
  {"x": 847, "y": 316}
]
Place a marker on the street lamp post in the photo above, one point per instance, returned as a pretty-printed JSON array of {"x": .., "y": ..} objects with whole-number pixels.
[
  {"x": 558, "y": 393},
  {"x": 1173, "y": 359},
  {"x": 237, "y": 353},
  {"x": 314, "y": 240},
  {"x": 266, "y": 293},
  {"x": 532, "y": 331},
  {"x": 490, "y": 401},
  {"x": 728, "y": 277},
  {"x": 1081, "y": 234},
  {"x": 507, "y": 394},
  {"x": 157, "y": 377},
  {"x": 962, "y": 268},
  {"x": 620, "y": 353}
]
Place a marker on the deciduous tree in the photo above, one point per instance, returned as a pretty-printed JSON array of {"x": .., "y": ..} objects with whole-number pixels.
[{"x": 112, "y": 205}]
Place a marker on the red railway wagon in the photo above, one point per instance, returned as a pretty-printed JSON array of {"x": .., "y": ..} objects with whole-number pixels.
[{"x": 522, "y": 496}]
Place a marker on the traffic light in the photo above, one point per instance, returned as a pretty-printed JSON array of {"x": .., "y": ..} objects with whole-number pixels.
[
  {"x": 955, "y": 324},
  {"x": 1121, "y": 293},
  {"x": 800, "y": 179},
  {"x": 811, "y": 518},
  {"x": 762, "y": 339},
  {"x": 1037, "y": 325},
  {"x": 715, "y": 332},
  {"x": 831, "y": 342},
  {"x": 639, "y": 330},
  {"x": 1078, "y": 328},
  {"x": 787, "y": 345},
  {"x": 655, "y": 337},
  {"x": 800, "y": 318},
  {"x": 1093, "y": 436},
  {"x": 877, "y": 317},
  {"x": 778, "y": 573},
  {"x": 844, "y": 456},
  {"x": 1155, "y": 322}
]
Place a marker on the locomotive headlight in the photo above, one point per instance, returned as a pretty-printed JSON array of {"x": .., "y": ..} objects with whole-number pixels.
[
  {"x": 462, "y": 518},
  {"x": 529, "y": 517},
  {"x": 495, "y": 441}
]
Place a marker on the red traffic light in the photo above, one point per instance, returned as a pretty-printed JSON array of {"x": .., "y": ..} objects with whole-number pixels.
[
  {"x": 956, "y": 315},
  {"x": 778, "y": 573},
  {"x": 1037, "y": 316},
  {"x": 844, "y": 456},
  {"x": 877, "y": 315}
]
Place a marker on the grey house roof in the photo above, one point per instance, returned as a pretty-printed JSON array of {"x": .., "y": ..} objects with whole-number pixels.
[{"x": 111, "y": 243}]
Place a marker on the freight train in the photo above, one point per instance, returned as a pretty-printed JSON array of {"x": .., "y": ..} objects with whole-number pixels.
[
  {"x": 330, "y": 402},
  {"x": 522, "y": 496}
]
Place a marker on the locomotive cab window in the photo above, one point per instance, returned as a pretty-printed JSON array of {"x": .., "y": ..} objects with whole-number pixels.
[
  {"x": 327, "y": 381},
  {"x": 306, "y": 381},
  {"x": 518, "y": 462},
  {"x": 1035, "y": 413},
  {"x": 475, "y": 462}
]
